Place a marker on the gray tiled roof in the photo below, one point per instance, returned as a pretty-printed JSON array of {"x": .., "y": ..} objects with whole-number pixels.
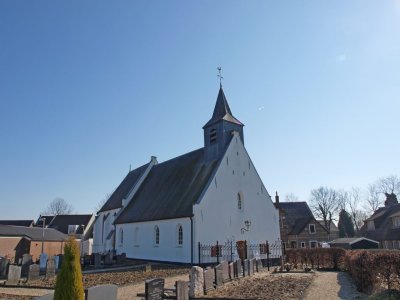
[
  {"x": 115, "y": 200},
  {"x": 222, "y": 111},
  {"x": 61, "y": 222},
  {"x": 27, "y": 223},
  {"x": 32, "y": 233},
  {"x": 170, "y": 189}
]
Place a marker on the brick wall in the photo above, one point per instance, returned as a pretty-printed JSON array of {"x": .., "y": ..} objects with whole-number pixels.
[
  {"x": 305, "y": 236},
  {"x": 8, "y": 246},
  {"x": 51, "y": 248}
]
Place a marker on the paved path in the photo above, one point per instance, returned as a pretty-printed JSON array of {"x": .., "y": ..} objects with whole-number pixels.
[{"x": 332, "y": 285}]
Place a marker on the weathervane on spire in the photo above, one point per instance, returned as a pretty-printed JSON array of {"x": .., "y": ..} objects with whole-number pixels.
[{"x": 220, "y": 76}]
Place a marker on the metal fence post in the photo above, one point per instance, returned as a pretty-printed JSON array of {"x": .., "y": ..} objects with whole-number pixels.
[
  {"x": 245, "y": 249},
  {"x": 231, "y": 251},
  {"x": 267, "y": 249},
  {"x": 217, "y": 253},
  {"x": 199, "y": 245}
]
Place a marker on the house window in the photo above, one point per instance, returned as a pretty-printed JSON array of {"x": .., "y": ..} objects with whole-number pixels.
[
  {"x": 293, "y": 244},
  {"x": 239, "y": 201},
  {"x": 311, "y": 228},
  {"x": 156, "y": 235},
  {"x": 121, "y": 236},
  {"x": 313, "y": 244},
  {"x": 180, "y": 235},
  {"x": 136, "y": 237},
  {"x": 213, "y": 136},
  {"x": 72, "y": 229},
  {"x": 396, "y": 221},
  {"x": 303, "y": 244}
]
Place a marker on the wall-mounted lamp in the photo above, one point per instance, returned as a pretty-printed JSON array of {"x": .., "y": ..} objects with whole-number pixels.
[{"x": 246, "y": 227}]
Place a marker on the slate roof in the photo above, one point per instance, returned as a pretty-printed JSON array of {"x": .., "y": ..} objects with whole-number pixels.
[
  {"x": 115, "y": 200},
  {"x": 32, "y": 233},
  {"x": 350, "y": 240},
  {"x": 297, "y": 214},
  {"x": 170, "y": 189},
  {"x": 61, "y": 222},
  {"x": 47, "y": 221},
  {"x": 222, "y": 111},
  {"x": 384, "y": 230},
  {"x": 27, "y": 223}
]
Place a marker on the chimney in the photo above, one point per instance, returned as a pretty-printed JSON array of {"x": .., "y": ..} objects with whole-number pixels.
[{"x": 277, "y": 198}]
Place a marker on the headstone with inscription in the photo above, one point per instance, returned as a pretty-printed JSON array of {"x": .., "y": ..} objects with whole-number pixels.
[
  {"x": 102, "y": 292},
  {"x": 50, "y": 268},
  {"x": 251, "y": 266},
  {"x": 43, "y": 261},
  {"x": 154, "y": 289},
  {"x": 258, "y": 265},
  {"x": 182, "y": 290},
  {"x": 196, "y": 282},
  {"x": 239, "y": 268},
  {"x": 208, "y": 279},
  {"x": 231, "y": 271},
  {"x": 56, "y": 262},
  {"x": 14, "y": 274},
  {"x": 26, "y": 262},
  {"x": 148, "y": 268},
  {"x": 246, "y": 267},
  {"x": 219, "y": 275},
  {"x": 225, "y": 271},
  {"x": 33, "y": 273},
  {"x": 3, "y": 267}
]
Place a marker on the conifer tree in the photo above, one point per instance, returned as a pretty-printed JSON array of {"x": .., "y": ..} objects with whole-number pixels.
[
  {"x": 345, "y": 224},
  {"x": 69, "y": 281}
]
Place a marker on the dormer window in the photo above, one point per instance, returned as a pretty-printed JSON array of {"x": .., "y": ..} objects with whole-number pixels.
[
  {"x": 213, "y": 136},
  {"x": 72, "y": 229}
]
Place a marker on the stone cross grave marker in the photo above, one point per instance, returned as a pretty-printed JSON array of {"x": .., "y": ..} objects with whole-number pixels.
[
  {"x": 33, "y": 273},
  {"x": 208, "y": 279},
  {"x": 3, "y": 267},
  {"x": 51, "y": 268},
  {"x": 14, "y": 274},
  {"x": 231, "y": 271},
  {"x": 182, "y": 290},
  {"x": 219, "y": 275},
  {"x": 225, "y": 271},
  {"x": 154, "y": 289},
  {"x": 102, "y": 292},
  {"x": 43, "y": 261}
]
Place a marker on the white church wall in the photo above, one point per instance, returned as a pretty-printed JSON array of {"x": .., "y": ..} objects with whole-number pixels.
[
  {"x": 100, "y": 231},
  {"x": 217, "y": 216},
  {"x": 139, "y": 240}
]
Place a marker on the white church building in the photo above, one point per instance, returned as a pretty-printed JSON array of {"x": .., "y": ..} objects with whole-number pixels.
[{"x": 162, "y": 211}]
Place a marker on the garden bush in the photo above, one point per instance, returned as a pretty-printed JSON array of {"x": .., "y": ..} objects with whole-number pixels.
[
  {"x": 69, "y": 284},
  {"x": 326, "y": 258}
]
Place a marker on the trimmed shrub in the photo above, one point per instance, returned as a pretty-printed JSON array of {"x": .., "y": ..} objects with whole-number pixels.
[
  {"x": 327, "y": 258},
  {"x": 69, "y": 281}
]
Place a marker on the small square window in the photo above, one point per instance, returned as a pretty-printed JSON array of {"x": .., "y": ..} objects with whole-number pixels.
[
  {"x": 312, "y": 228},
  {"x": 303, "y": 244}
]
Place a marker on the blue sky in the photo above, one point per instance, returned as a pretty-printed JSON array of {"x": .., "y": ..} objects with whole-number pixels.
[{"x": 89, "y": 87}]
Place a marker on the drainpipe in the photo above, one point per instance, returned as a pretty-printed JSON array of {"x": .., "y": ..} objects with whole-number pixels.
[{"x": 191, "y": 240}]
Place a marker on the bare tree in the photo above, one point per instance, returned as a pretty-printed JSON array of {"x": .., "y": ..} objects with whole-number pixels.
[
  {"x": 324, "y": 203},
  {"x": 102, "y": 202},
  {"x": 357, "y": 215},
  {"x": 342, "y": 199},
  {"x": 291, "y": 198},
  {"x": 389, "y": 184},
  {"x": 373, "y": 200},
  {"x": 58, "y": 207}
]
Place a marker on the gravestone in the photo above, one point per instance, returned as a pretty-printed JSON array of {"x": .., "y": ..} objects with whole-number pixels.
[
  {"x": 108, "y": 259},
  {"x": 208, "y": 279},
  {"x": 102, "y": 292},
  {"x": 219, "y": 275},
  {"x": 50, "y": 268},
  {"x": 148, "y": 268},
  {"x": 154, "y": 289},
  {"x": 26, "y": 262},
  {"x": 231, "y": 271},
  {"x": 56, "y": 262},
  {"x": 3, "y": 267},
  {"x": 121, "y": 258},
  {"x": 238, "y": 268},
  {"x": 33, "y": 273},
  {"x": 259, "y": 265},
  {"x": 251, "y": 266},
  {"x": 43, "y": 261},
  {"x": 196, "y": 282},
  {"x": 182, "y": 290},
  {"x": 14, "y": 274},
  {"x": 97, "y": 260},
  {"x": 225, "y": 271},
  {"x": 246, "y": 267}
]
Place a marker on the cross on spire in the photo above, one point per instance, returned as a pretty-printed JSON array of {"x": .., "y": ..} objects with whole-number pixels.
[{"x": 220, "y": 76}]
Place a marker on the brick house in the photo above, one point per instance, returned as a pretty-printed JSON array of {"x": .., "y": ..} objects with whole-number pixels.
[{"x": 299, "y": 228}]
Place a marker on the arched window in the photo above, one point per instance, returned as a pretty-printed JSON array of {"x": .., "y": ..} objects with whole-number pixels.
[
  {"x": 136, "y": 237},
  {"x": 156, "y": 235},
  {"x": 239, "y": 201},
  {"x": 121, "y": 236},
  {"x": 179, "y": 234}
]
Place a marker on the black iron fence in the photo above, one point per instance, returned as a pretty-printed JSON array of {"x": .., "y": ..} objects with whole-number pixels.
[{"x": 231, "y": 251}]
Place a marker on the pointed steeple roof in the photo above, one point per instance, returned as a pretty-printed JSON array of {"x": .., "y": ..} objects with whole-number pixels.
[{"x": 222, "y": 111}]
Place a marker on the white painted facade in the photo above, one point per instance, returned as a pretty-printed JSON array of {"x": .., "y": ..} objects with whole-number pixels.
[
  {"x": 102, "y": 229},
  {"x": 139, "y": 241}
]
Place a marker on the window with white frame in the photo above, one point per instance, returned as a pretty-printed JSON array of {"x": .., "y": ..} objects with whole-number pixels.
[
  {"x": 239, "y": 201},
  {"x": 121, "y": 236},
  {"x": 303, "y": 244},
  {"x": 156, "y": 235},
  {"x": 136, "y": 237},
  {"x": 179, "y": 235},
  {"x": 311, "y": 228}
]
